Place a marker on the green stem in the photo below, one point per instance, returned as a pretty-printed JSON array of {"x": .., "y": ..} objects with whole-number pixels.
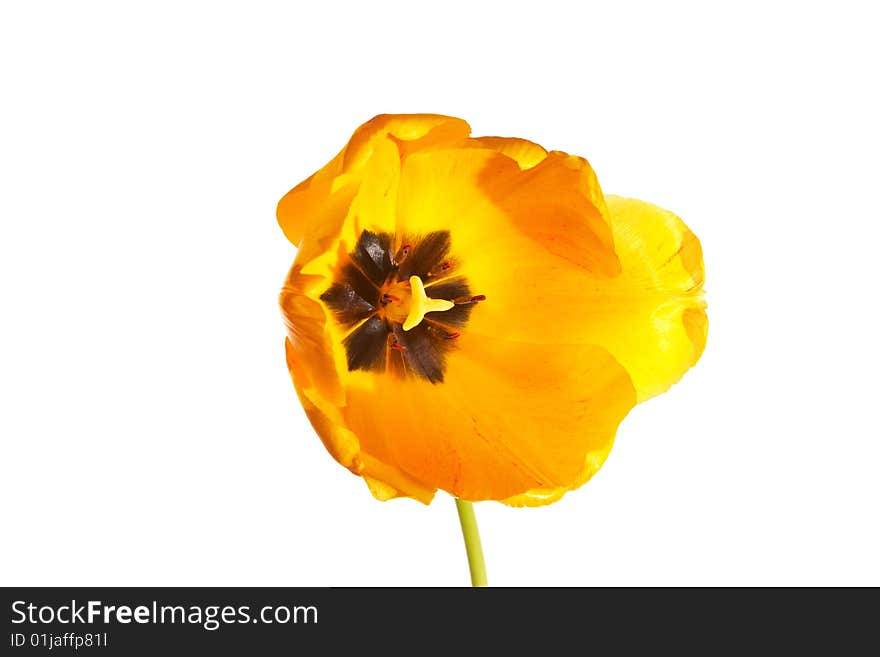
[{"x": 471, "y": 534}]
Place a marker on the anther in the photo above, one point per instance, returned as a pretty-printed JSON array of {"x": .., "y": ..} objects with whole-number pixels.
[
  {"x": 398, "y": 346},
  {"x": 442, "y": 268},
  {"x": 389, "y": 297},
  {"x": 453, "y": 336},
  {"x": 474, "y": 299},
  {"x": 401, "y": 254}
]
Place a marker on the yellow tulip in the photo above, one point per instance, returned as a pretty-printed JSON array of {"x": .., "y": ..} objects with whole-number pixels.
[{"x": 473, "y": 315}]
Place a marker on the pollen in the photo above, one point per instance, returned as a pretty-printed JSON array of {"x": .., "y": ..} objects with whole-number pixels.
[{"x": 420, "y": 304}]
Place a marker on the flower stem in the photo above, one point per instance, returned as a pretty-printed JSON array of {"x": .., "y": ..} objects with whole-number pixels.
[{"x": 472, "y": 545}]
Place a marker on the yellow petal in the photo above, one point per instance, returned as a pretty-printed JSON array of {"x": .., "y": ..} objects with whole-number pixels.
[
  {"x": 423, "y": 130},
  {"x": 297, "y": 209},
  {"x": 651, "y": 317},
  {"x": 664, "y": 335}
]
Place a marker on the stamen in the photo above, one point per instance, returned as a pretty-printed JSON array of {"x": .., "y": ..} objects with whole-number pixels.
[
  {"x": 384, "y": 291},
  {"x": 473, "y": 299},
  {"x": 401, "y": 254},
  {"x": 442, "y": 268}
]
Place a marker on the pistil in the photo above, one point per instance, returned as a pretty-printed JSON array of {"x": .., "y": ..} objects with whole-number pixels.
[{"x": 420, "y": 304}]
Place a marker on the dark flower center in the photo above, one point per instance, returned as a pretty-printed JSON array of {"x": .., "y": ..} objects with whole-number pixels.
[{"x": 404, "y": 306}]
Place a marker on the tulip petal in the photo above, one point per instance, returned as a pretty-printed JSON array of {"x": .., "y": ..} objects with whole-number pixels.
[
  {"x": 500, "y": 216},
  {"x": 384, "y": 480},
  {"x": 662, "y": 331},
  {"x": 508, "y": 419},
  {"x": 651, "y": 317},
  {"x": 526, "y": 153},
  {"x": 297, "y": 209},
  {"x": 558, "y": 205}
]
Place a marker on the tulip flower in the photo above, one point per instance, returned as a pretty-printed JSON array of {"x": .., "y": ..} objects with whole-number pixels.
[{"x": 474, "y": 315}]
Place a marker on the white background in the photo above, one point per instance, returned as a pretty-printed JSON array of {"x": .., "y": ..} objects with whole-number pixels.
[{"x": 150, "y": 433}]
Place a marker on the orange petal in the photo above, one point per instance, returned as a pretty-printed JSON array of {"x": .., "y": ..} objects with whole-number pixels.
[
  {"x": 298, "y": 206},
  {"x": 508, "y": 418},
  {"x": 558, "y": 204},
  {"x": 526, "y": 153},
  {"x": 384, "y": 480},
  {"x": 501, "y": 216},
  {"x": 310, "y": 351}
]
